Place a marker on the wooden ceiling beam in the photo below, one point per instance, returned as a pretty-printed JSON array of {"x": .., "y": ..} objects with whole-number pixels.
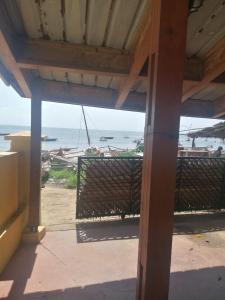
[
  {"x": 214, "y": 66},
  {"x": 70, "y": 93},
  {"x": 66, "y": 57},
  {"x": 9, "y": 60},
  {"x": 62, "y": 92}
]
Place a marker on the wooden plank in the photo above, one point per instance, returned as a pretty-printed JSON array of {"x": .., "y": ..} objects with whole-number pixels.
[
  {"x": 9, "y": 61},
  {"x": 35, "y": 164},
  {"x": 84, "y": 95},
  {"x": 65, "y": 57},
  {"x": 140, "y": 56},
  {"x": 167, "y": 55},
  {"x": 70, "y": 93},
  {"x": 214, "y": 65}
]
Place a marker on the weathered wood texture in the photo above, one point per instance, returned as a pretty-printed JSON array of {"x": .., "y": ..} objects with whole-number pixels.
[
  {"x": 167, "y": 56},
  {"x": 69, "y": 93},
  {"x": 35, "y": 164},
  {"x": 140, "y": 56},
  {"x": 9, "y": 60},
  {"x": 65, "y": 57},
  {"x": 214, "y": 65}
]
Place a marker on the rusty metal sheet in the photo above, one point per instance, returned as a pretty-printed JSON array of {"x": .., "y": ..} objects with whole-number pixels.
[
  {"x": 30, "y": 12},
  {"x": 116, "y": 83},
  {"x": 45, "y": 74},
  {"x": 206, "y": 27},
  {"x": 89, "y": 79},
  {"x": 52, "y": 19},
  {"x": 98, "y": 15},
  {"x": 123, "y": 15},
  {"x": 60, "y": 76},
  {"x": 134, "y": 31},
  {"x": 103, "y": 81},
  {"x": 74, "y": 20},
  {"x": 74, "y": 77}
]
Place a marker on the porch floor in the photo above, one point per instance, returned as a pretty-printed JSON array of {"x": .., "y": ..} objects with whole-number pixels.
[{"x": 98, "y": 261}]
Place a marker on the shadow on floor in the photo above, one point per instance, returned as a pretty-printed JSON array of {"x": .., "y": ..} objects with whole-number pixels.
[
  {"x": 199, "y": 223},
  {"x": 207, "y": 284},
  {"x": 107, "y": 230},
  {"x": 19, "y": 270},
  {"x": 129, "y": 228}
]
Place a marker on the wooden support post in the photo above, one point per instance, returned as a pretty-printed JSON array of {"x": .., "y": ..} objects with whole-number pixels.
[
  {"x": 167, "y": 56},
  {"x": 35, "y": 165}
]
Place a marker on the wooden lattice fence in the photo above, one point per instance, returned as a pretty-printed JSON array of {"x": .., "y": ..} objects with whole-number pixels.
[{"x": 112, "y": 186}]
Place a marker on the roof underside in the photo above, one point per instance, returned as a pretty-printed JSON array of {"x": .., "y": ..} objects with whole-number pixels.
[
  {"x": 110, "y": 24},
  {"x": 216, "y": 131}
]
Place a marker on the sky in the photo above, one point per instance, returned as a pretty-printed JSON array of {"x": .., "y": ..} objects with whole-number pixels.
[{"x": 15, "y": 110}]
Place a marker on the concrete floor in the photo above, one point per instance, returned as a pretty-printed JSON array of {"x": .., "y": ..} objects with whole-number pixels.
[{"x": 98, "y": 261}]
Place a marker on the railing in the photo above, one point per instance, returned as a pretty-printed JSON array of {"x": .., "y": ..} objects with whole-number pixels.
[{"x": 112, "y": 186}]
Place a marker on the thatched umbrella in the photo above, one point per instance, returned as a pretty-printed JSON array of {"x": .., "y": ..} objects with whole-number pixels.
[{"x": 216, "y": 131}]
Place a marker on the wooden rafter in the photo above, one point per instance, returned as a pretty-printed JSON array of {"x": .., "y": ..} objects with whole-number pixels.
[
  {"x": 140, "y": 56},
  {"x": 70, "y": 93},
  {"x": 9, "y": 61},
  {"x": 214, "y": 65},
  {"x": 65, "y": 57}
]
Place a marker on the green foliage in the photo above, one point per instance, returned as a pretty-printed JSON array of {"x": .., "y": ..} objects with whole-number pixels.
[
  {"x": 72, "y": 182},
  {"x": 128, "y": 153},
  {"x": 140, "y": 148},
  {"x": 70, "y": 177}
]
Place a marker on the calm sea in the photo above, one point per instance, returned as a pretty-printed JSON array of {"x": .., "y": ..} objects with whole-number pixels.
[{"x": 76, "y": 138}]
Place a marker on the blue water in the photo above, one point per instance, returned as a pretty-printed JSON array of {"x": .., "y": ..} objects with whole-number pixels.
[{"x": 76, "y": 138}]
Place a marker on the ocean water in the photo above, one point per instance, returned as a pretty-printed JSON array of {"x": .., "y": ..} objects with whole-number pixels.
[{"x": 76, "y": 138}]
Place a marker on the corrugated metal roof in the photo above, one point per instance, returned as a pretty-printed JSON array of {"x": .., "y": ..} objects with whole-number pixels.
[
  {"x": 110, "y": 23},
  {"x": 206, "y": 27}
]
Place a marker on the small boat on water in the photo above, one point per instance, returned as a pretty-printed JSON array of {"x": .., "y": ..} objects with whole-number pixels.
[
  {"x": 105, "y": 138},
  {"x": 47, "y": 139}
]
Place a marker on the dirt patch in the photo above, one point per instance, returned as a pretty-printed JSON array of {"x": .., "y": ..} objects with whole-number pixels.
[{"x": 57, "y": 206}]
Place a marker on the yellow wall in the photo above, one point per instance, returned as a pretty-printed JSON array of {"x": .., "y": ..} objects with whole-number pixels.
[
  {"x": 12, "y": 204},
  {"x": 8, "y": 185},
  {"x": 10, "y": 238}
]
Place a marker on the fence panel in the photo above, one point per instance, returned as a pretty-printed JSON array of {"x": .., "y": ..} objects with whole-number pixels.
[{"x": 112, "y": 186}]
